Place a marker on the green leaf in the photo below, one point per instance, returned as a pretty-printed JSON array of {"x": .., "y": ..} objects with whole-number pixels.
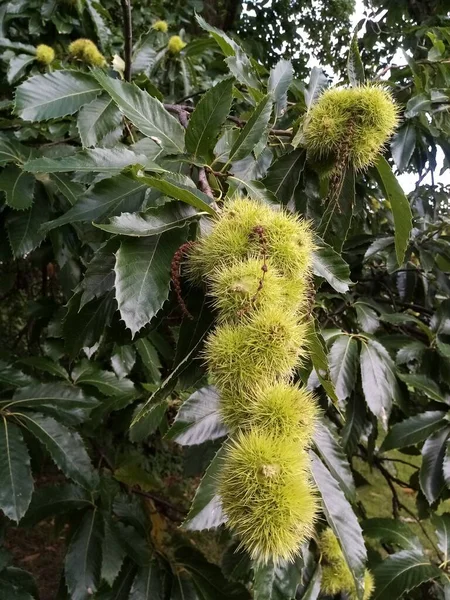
[
  {"x": 113, "y": 553},
  {"x": 54, "y": 500},
  {"x": 97, "y": 160},
  {"x": 343, "y": 361},
  {"x": 367, "y": 317},
  {"x": 143, "y": 276},
  {"x": 83, "y": 558},
  {"x": 391, "y": 531},
  {"x": 45, "y": 364},
  {"x": 181, "y": 192},
  {"x": 53, "y": 95},
  {"x": 252, "y": 131},
  {"x": 107, "y": 383},
  {"x": 123, "y": 359},
  {"x": 339, "y": 208},
  {"x": 318, "y": 81},
  {"x": 334, "y": 457},
  {"x": 206, "y": 508},
  {"x": 150, "y": 421},
  {"x": 207, "y": 118},
  {"x": 12, "y": 377},
  {"x": 15, "y": 472},
  {"x": 146, "y": 113},
  {"x": 403, "y": 144},
  {"x": 18, "y": 187},
  {"x": 355, "y": 68},
  {"x": 242, "y": 68},
  {"x": 276, "y": 582},
  {"x": 228, "y": 46},
  {"x": 153, "y": 222},
  {"x": 312, "y": 590},
  {"x": 400, "y": 207},
  {"x": 320, "y": 361},
  {"x": 280, "y": 79},
  {"x": 148, "y": 584},
  {"x": 342, "y": 520},
  {"x": 379, "y": 382},
  {"x": 423, "y": 383},
  {"x": 17, "y": 66},
  {"x": 24, "y": 228},
  {"x": 10, "y": 591},
  {"x": 413, "y": 430},
  {"x": 442, "y": 524},
  {"x": 68, "y": 188},
  {"x": 12, "y": 151},
  {"x": 56, "y": 399},
  {"x": 401, "y": 572},
  {"x": 99, "y": 275},
  {"x": 64, "y": 445},
  {"x": 96, "y": 12},
  {"x": 182, "y": 588},
  {"x": 198, "y": 419},
  {"x": 327, "y": 263},
  {"x": 431, "y": 472},
  {"x": 284, "y": 174},
  {"x": 98, "y": 120},
  {"x": 150, "y": 358},
  {"x": 105, "y": 199}
]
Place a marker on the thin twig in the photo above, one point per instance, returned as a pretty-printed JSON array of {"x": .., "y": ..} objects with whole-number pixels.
[
  {"x": 128, "y": 36},
  {"x": 203, "y": 183},
  {"x": 399, "y": 460}
]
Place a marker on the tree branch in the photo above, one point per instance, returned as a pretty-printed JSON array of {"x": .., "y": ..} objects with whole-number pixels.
[{"x": 128, "y": 36}]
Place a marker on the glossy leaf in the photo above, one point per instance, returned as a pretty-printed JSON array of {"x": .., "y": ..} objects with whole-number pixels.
[
  {"x": 284, "y": 174},
  {"x": 15, "y": 471},
  {"x": 252, "y": 131},
  {"x": 148, "y": 584},
  {"x": 276, "y": 582},
  {"x": 327, "y": 263},
  {"x": 279, "y": 81},
  {"x": 343, "y": 361},
  {"x": 106, "y": 382},
  {"x": 413, "y": 430},
  {"x": 54, "y": 500},
  {"x": 431, "y": 471},
  {"x": 403, "y": 144},
  {"x": 318, "y": 81},
  {"x": 18, "y": 187},
  {"x": 391, "y": 531},
  {"x": 355, "y": 68},
  {"x": 181, "y": 192},
  {"x": 98, "y": 120},
  {"x": 24, "y": 227}
]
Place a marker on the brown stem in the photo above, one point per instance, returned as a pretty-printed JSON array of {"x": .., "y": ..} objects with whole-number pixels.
[
  {"x": 128, "y": 36},
  {"x": 203, "y": 183}
]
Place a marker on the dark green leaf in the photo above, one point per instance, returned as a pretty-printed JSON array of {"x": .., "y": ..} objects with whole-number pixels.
[
  {"x": 403, "y": 144},
  {"x": 207, "y": 118},
  {"x": 423, "y": 383},
  {"x": 413, "y": 430},
  {"x": 355, "y": 69},
  {"x": 150, "y": 358},
  {"x": 123, "y": 359},
  {"x": 198, "y": 419},
  {"x": 18, "y": 187},
  {"x": 400, "y": 207},
  {"x": 24, "y": 228},
  {"x": 99, "y": 276},
  {"x": 228, "y": 46},
  {"x": 206, "y": 509},
  {"x": 68, "y": 188},
  {"x": 431, "y": 472},
  {"x": 146, "y": 113},
  {"x": 153, "y": 222},
  {"x": 17, "y": 67},
  {"x": 83, "y": 558},
  {"x": 279, "y": 81},
  {"x": 342, "y": 520},
  {"x": 442, "y": 524},
  {"x": 9, "y": 591},
  {"x": 328, "y": 264},
  {"x": 97, "y": 14},
  {"x": 113, "y": 553},
  {"x": 148, "y": 584},
  {"x": 181, "y": 192},
  {"x": 312, "y": 590},
  {"x": 401, "y": 572},
  {"x": 276, "y": 582},
  {"x": 64, "y": 445},
  {"x": 391, "y": 531},
  {"x": 339, "y": 207},
  {"x": 12, "y": 377},
  {"x": 105, "y": 199},
  {"x": 54, "y": 500},
  {"x": 47, "y": 365},
  {"x": 284, "y": 174},
  {"x": 343, "y": 361},
  {"x": 150, "y": 421},
  {"x": 334, "y": 457},
  {"x": 367, "y": 317},
  {"x": 12, "y": 151},
  {"x": 15, "y": 472},
  {"x": 107, "y": 383},
  {"x": 251, "y": 133},
  {"x": 98, "y": 120},
  {"x": 53, "y": 95},
  {"x": 143, "y": 276}
]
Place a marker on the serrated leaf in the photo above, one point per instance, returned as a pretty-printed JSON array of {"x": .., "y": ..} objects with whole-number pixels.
[
  {"x": 252, "y": 131},
  {"x": 343, "y": 361},
  {"x": 54, "y": 500},
  {"x": 96, "y": 160},
  {"x": 12, "y": 151},
  {"x": 97, "y": 120},
  {"x": 367, "y": 317},
  {"x": 228, "y": 46},
  {"x": 327, "y": 263},
  {"x": 12, "y": 592},
  {"x": 379, "y": 382},
  {"x": 17, "y": 66},
  {"x": 71, "y": 190},
  {"x": 391, "y": 531},
  {"x": 442, "y": 524},
  {"x": 182, "y": 192},
  {"x": 15, "y": 472},
  {"x": 113, "y": 553},
  {"x": 423, "y": 383},
  {"x": 107, "y": 383},
  {"x": 153, "y": 222},
  {"x": 284, "y": 174},
  {"x": 431, "y": 470},
  {"x": 123, "y": 359},
  {"x": 95, "y": 11},
  {"x": 276, "y": 582},
  {"x": 355, "y": 422},
  {"x": 401, "y": 209},
  {"x": 318, "y": 81},
  {"x": 403, "y": 144},
  {"x": 207, "y": 118},
  {"x": 280, "y": 79},
  {"x": 12, "y": 377},
  {"x": 198, "y": 419},
  {"x": 64, "y": 445},
  {"x": 83, "y": 558},
  {"x": 53, "y": 95},
  {"x": 24, "y": 228},
  {"x": 18, "y": 187},
  {"x": 146, "y": 113},
  {"x": 339, "y": 208},
  {"x": 150, "y": 421},
  {"x": 148, "y": 584},
  {"x": 45, "y": 364},
  {"x": 355, "y": 68},
  {"x": 342, "y": 520},
  {"x": 312, "y": 590},
  {"x": 56, "y": 399},
  {"x": 99, "y": 276},
  {"x": 334, "y": 457},
  {"x": 105, "y": 199},
  {"x": 150, "y": 358},
  {"x": 206, "y": 508},
  {"x": 413, "y": 430},
  {"x": 143, "y": 276},
  {"x": 401, "y": 572}
]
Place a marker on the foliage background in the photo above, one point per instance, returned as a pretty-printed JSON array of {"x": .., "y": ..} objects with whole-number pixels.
[{"x": 92, "y": 332}]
